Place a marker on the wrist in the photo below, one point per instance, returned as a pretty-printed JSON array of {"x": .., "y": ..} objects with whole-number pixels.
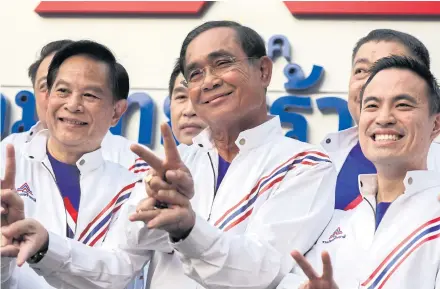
[
  {"x": 179, "y": 236},
  {"x": 39, "y": 254},
  {"x": 183, "y": 234}
]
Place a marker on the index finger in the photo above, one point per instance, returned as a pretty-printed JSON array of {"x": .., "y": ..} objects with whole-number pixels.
[
  {"x": 171, "y": 152},
  {"x": 327, "y": 266},
  {"x": 148, "y": 156},
  {"x": 9, "y": 181},
  {"x": 304, "y": 265}
]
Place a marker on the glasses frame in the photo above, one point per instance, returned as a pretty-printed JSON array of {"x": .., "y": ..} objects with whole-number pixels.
[{"x": 234, "y": 60}]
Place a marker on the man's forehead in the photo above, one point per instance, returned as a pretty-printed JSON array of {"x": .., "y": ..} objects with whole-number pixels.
[
  {"x": 211, "y": 41},
  {"x": 372, "y": 51},
  {"x": 84, "y": 65},
  {"x": 389, "y": 82}
]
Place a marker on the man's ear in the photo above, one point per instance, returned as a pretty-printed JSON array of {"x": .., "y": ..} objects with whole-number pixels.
[
  {"x": 266, "y": 66},
  {"x": 120, "y": 107},
  {"x": 436, "y": 128}
]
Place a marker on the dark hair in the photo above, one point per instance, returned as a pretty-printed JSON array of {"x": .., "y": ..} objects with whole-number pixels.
[
  {"x": 417, "y": 49},
  {"x": 173, "y": 77},
  {"x": 47, "y": 50},
  {"x": 251, "y": 42},
  {"x": 408, "y": 63},
  {"x": 118, "y": 76}
]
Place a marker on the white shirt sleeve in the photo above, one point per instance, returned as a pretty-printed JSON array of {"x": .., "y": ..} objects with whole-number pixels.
[
  {"x": 293, "y": 217},
  {"x": 71, "y": 264}
]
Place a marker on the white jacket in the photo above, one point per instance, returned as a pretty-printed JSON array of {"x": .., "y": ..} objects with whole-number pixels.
[
  {"x": 114, "y": 148},
  {"x": 402, "y": 253},
  {"x": 339, "y": 144},
  {"x": 102, "y": 196},
  {"x": 277, "y": 194}
]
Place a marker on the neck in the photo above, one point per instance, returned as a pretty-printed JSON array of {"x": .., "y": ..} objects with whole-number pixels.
[
  {"x": 224, "y": 136},
  {"x": 62, "y": 153},
  {"x": 390, "y": 186},
  {"x": 390, "y": 180}
]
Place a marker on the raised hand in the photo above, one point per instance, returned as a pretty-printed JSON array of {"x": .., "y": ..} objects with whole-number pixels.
[
  {"x": 169, "y": 181},
  {"x": 12, "y": 207},
  {"x": 316, "y": 282},
  {"x": 172, "y": 169}
]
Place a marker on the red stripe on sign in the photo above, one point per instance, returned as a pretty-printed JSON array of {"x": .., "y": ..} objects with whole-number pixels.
[
  {"x": 364, "y": 8},
  {"x": 121, "y": 7}
]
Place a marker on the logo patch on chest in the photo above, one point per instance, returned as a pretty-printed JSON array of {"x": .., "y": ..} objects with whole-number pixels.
[
  {"x": 25, "y": 191},
  {"x": 337, "y": 234}
]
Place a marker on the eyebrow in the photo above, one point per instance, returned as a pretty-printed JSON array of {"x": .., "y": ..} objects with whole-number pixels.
[
  {"x": 396, "y": 98},
  {"x": 179, "y": 89},
  {"x": 371, "y": 98},
  {"x": 62, "y": 81},
  {"x": 93, "y": 88},
  {"x": 41, "y": 80},
  {"x": 211, "y": 56},
  {"x": 361, "y": 60},
  {"x": 406, "y": 97}
]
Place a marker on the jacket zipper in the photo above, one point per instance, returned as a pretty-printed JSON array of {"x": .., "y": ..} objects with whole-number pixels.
[
  {"x": 59, "y": 191},
  {"x": 374, "y": 211},
  {"x": 214, "y": 188}
]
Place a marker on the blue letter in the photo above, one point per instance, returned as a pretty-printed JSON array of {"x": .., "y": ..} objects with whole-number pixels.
[
  {"x": 296, "y": 79},
  {"x": 338, "y": 105},
  {"x": 3, "y": 105},
  {"x": 299, "y": 123},
  {"x": 279, "y": 45},
  {"x": 26, "y": 100},
  {"x": 146, "y": 106}
]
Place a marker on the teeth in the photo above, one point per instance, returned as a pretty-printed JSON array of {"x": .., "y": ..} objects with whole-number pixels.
[
  {"x": 74, "y": 122},
  {"x": 381, "y": 137}
]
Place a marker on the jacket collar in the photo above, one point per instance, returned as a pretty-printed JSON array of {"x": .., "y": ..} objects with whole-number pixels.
[
  {"x": 36, "y": 128},
  {"x": 36, "y": 150},
  {"x": 341, "y": 139},
  {"x": 247, "y": 139},
  {"x": 415, "y": 182}
]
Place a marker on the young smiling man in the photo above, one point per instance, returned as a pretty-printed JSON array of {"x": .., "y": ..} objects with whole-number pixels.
[
  {"x": 391, "y": 239},
  {"x": 343, "y": 147}
]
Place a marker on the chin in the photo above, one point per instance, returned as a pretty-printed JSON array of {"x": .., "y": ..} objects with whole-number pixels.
[
  {"x": 71, "y": 140},
  {"x": 187, "y": 140}
]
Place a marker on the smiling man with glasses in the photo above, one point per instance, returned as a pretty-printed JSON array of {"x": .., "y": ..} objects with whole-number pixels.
[{"x": 256, "y": 193}]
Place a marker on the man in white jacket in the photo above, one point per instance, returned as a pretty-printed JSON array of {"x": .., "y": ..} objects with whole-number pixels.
[
  {"x": 343, "y": 147},
  {"x": 59, "y": 179},
  {"x": 256, "y": 193},
  {"x": 114, "y": 148},
  {"x": 391, "y": 239},
  {"x": 252, "y": 184}
]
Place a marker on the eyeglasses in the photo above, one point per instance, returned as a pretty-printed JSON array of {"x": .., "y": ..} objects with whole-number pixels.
[{"x": 195, "y": 77}]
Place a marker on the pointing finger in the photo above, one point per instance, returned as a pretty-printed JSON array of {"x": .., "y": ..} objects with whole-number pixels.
[
  {"x": 171, "y": 152},
  {"x": 148, "y": 156}
]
